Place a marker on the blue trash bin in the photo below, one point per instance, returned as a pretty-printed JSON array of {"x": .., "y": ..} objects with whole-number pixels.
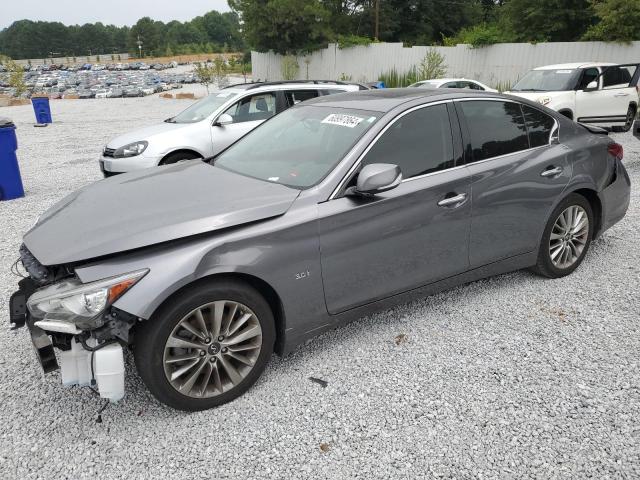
[
  {"x": 42, "y": 109},
  {"x": 10, "y": 180}
]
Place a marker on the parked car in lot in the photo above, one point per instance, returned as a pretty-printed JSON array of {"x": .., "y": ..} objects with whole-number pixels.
[
  {"x": 332, "y": 209},
  {"x": 603, "y": 94},
  {"x": 210, "y": 125},
  {"x": 453, "y": 83}
]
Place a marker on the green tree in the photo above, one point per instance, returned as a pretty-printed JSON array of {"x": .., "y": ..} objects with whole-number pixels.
[
  {"x": 205, "y": 74},
  {"x": 284, "y": 26},
  {"x": 16, "y": 75},
  {"x": 618, "y": 21},
  {"x": 548, "y": 20}
]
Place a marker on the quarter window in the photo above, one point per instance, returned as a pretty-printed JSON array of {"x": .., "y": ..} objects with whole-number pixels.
[
  {"x": 253, "y": 108},
  {"x": 539, "y": 126},
  {"x": 420, "y": 142},
  {"x": 496, "y": 128}
]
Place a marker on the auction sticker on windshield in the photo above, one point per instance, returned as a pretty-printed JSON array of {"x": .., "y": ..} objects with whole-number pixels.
[{"x": 343, "y": 120}]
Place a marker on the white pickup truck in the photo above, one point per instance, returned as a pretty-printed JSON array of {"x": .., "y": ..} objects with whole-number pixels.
[{"x": 602, "y": 94}]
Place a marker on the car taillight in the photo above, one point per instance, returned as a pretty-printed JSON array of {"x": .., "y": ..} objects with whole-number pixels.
[{"x": 616, "y": 150}]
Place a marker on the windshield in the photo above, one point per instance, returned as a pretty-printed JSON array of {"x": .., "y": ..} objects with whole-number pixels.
[
  {"x": 547, "y": 81},
  {"x": 202, "y": 109},
  {"x": 299, "y": 147}
]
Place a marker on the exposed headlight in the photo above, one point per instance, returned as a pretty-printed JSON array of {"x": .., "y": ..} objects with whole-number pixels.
[
  {"x": 80, "y": 303},
  {"x": 131, "y": 150},
  {"x": 544, "y": 100}
]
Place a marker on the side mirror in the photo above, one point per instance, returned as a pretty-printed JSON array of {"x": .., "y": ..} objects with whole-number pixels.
[
  {"x": 591, "y": 86},
  {"x": 224, "y": 119},
  {"x": 376, "y": 178}
]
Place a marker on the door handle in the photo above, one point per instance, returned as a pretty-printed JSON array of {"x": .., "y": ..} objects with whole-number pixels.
[
  {"x": 457, "y": 200},
  {"x": 621, "y": 94},
  {"x": 551, "y": 172}
]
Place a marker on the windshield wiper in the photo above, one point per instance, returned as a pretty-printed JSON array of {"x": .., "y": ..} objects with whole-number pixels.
[{"x": 170, "y": 120}]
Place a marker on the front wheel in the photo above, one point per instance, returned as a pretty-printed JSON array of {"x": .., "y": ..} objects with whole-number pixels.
[
  {"x": 566, "y": 237},
  {"x": 207, "y": 346},
  {"x": 179, "y": 157}
]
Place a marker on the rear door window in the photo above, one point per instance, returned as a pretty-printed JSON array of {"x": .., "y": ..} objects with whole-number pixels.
[
  {"x": 539, "y": 125},
  {"x": 496, "y": 128},
  {"x": 297, "y": 96},
  {"x": 254, "y": 107},
  {"x": 420, "y": 142}
]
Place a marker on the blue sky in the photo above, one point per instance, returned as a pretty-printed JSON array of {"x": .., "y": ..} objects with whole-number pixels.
[{"x": 117, "y": 12}]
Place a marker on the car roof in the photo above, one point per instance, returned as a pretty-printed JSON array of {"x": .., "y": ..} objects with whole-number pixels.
[
  {"x": 385, "y": 100},
  {"x": 574, "y": 65},
  {"x": 286, "y": 85},
  {"x": 447, "y": 80}
]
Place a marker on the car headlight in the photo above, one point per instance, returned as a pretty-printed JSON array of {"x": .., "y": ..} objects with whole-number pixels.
[
  {"x": 132, "y": 150},
  {"x": 544, "y": 100},
  {"x": 80, "y": 303}
]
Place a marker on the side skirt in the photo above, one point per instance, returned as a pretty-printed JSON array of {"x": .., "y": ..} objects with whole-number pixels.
[{"x": 497, "y": 268}]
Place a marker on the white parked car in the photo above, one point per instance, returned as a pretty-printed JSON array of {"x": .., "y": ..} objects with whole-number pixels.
[
  {"x": 211, "y": 124},
  {"x": 603, "y": 94},
  {"x": 102, "y": 93},
  {"x": 453, "y": 83}
]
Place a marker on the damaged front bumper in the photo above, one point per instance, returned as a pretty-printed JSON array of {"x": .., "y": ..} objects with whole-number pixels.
[
  {"x": 19, "y": 317},
  {"x": 86, "y": 357}
]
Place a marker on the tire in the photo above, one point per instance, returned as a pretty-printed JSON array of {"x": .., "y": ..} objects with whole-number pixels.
[
  {"x": 554, "y": 267},
  {"x": 631, "y": 116},
  {"x": 179, "y": 157},
  {"x": 156, "y": 350}
]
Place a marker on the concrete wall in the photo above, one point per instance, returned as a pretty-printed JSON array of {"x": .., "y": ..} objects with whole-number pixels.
[{"x": 497, "y": 63}]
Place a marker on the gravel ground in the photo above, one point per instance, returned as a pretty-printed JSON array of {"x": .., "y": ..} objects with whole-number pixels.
[{"x": 511, "y": 377}]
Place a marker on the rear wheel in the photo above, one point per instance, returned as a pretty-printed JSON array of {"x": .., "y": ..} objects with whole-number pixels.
[
  {"x": 207, "y": 346},
  {"x": 631, "y": 116},
  {"x": 178, "y": 157},
  {"x": 566, "y": 238}
]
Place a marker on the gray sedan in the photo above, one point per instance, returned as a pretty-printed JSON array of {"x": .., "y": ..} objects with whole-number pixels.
[{"x": 335, "y": 208}]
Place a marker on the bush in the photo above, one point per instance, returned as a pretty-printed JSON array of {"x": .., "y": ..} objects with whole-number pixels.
[
  {"x": 478, "y": 36},
  {"x": 347, "y": 41},
  {"x": 393, "y": 79},
  {"x": 431, "y": 66},
  {"x": 290, "y": 68}
]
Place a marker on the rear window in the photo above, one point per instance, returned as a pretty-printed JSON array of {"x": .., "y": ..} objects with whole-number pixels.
[
  {"x": 496, "y": 128},
  {"x": 539, "y": 126}
]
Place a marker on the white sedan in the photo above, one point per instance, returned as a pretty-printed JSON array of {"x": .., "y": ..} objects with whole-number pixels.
[{"x": 453, "y": 83}]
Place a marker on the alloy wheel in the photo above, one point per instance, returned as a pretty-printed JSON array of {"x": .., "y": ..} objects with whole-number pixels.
[
  {"x": 569, "y": 236},
  {"x": 212, "y": 349}
]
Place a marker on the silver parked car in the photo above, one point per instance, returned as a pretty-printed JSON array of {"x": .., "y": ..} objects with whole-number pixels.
[
  {"x": 211, "y": 124},
  {"x": 332, "y": 209}
]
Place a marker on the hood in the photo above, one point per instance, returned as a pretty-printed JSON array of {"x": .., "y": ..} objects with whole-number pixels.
[
  {"x": 151, "y": 206},
  {"x": 146, "y": 133}
]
